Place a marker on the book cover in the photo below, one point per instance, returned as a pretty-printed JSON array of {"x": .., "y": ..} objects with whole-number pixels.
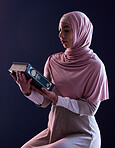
[{"x": 38, "y": 80}]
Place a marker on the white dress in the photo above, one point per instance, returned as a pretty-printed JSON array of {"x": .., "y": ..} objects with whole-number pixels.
[{"x": 68, "y": 127}]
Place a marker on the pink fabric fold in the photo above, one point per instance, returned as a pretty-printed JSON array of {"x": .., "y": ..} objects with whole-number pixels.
[{"x": 78, "y": 72}]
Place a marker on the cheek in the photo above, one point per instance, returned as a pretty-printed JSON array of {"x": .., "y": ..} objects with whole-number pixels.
[{"x": 71, "y": 38}]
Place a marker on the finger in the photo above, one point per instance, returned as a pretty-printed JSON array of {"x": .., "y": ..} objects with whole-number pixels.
[
  {"x": 17, "y": 76},
  {"x": 24, "y": 78},
  {"x": 37, "y": 90},
  {"x": 29, "y": 81},
  {"x": 45, "y": 91},
  {"x": 14, "y": 77},
  {"x": 20, "y": 76},
  {"x": 17, "y": 73}
]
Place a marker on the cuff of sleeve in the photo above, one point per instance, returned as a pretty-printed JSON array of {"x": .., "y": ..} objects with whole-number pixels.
[
  {"x": 35, "y": 97},
  {"x": 60, "y": 101}
]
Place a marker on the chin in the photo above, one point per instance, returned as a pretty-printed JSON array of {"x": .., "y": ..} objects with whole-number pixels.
[{"x": 65, "y": 46}]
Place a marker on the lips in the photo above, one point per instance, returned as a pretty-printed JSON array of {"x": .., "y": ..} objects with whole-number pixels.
[{"x": 63, "y": 42}]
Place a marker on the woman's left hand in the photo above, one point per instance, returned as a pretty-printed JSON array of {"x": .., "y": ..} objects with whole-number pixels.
[{"x": 47, "y": 94}]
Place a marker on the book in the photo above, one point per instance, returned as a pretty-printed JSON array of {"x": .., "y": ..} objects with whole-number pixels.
[{"x": 38, "y": 80}]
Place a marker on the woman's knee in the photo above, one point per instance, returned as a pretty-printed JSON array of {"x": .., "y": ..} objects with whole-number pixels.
[
  {"x": 60, "y": 144},
  {"x": 26, "y": 145}
]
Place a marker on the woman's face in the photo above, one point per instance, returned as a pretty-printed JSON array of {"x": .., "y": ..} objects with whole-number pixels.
[{"x": 66, "y": 34}]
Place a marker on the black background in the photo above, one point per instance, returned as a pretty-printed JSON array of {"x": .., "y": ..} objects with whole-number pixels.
[{"x": 29, "y": 33}]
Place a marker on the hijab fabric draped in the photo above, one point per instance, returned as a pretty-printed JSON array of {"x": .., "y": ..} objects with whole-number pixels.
[{"x": 78, "y": 72}]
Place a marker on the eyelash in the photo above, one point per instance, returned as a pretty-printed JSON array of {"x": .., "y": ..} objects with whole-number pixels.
[{"x": 64, "y": 30}]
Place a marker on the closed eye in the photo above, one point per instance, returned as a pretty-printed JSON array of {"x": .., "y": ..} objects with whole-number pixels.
[{"x": 66, "y": 30}]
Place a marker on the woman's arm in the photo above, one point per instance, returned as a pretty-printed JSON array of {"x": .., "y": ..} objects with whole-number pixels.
[
  {"x": 78, "y": 106},
  {"x": 38, "y": 96}
]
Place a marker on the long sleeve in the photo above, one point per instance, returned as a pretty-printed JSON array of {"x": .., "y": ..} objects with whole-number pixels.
[
  {"x": 36, "y": 98},
  {"x": 78, "y": 106}
]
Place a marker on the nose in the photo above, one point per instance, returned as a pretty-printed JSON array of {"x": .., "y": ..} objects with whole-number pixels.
[{"x": 61, "y": 34}]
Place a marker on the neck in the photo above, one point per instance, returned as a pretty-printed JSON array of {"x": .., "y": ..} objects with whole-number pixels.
[{"x": 75, "y": 53}]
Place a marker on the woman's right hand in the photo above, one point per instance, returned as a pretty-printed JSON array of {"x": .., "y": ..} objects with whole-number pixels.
[{"x": 22, "y": 82}]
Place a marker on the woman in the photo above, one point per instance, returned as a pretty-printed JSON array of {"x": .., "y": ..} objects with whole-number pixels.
[{"x": 80, "y": 85}]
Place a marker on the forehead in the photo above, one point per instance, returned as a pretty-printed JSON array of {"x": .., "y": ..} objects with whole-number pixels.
[{"x": 64, "y": 25}]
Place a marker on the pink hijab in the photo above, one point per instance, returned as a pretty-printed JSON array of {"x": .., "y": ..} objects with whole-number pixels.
[{"x": 78, "y": 73}]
